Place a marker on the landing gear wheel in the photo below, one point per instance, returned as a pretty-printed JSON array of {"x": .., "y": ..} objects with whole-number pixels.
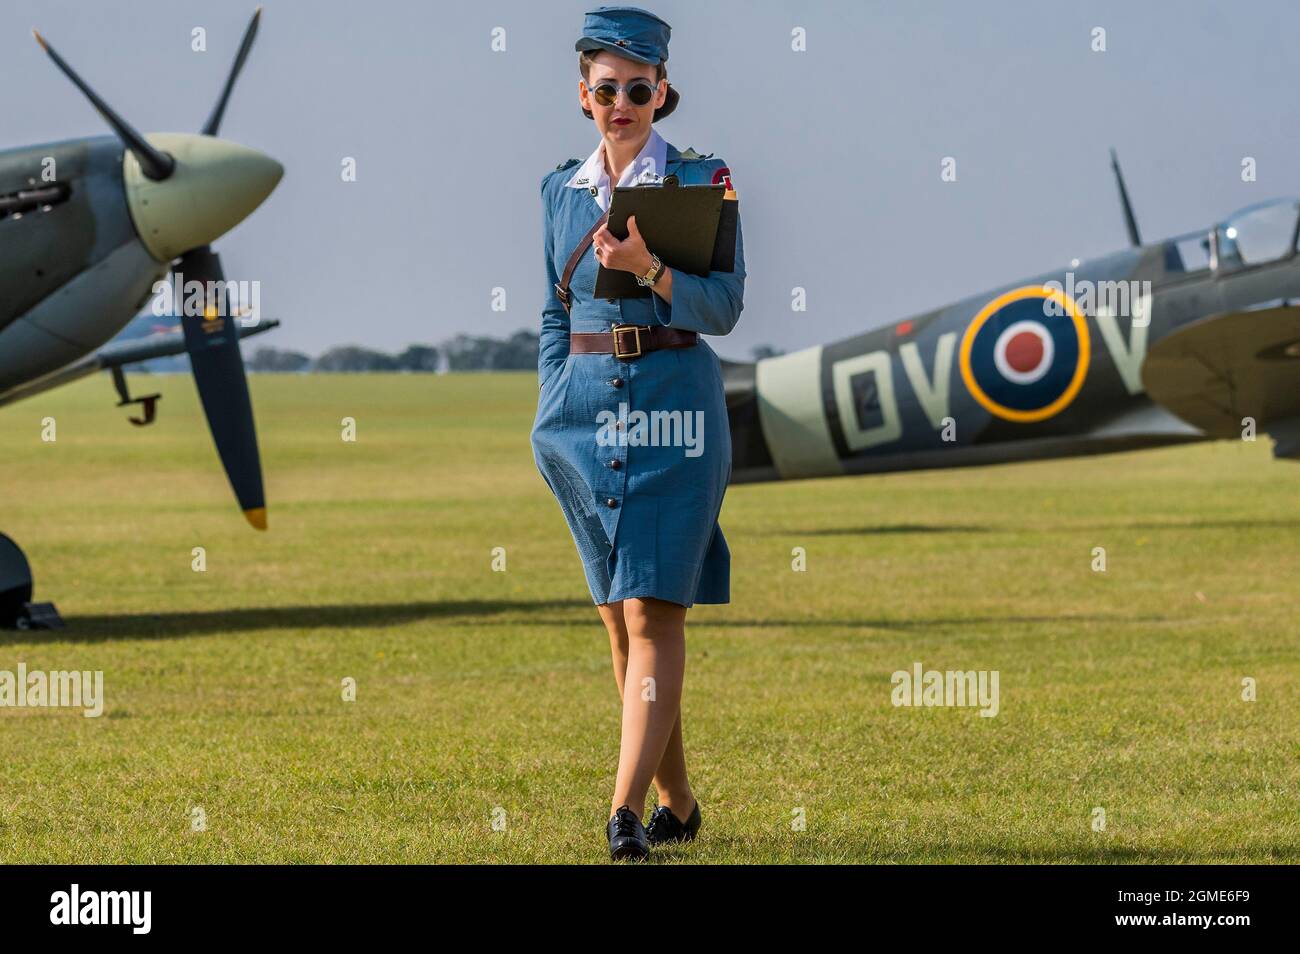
[{"x": 17, "y": 611}]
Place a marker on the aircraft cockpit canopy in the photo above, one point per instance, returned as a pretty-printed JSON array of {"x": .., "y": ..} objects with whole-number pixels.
[
  {"x": 1188, "y": 253},
  {"x": 1258, "y": 234}
]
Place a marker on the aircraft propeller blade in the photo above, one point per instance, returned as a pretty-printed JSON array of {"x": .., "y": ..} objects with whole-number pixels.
[
  {"x": 213, "y": 125},
  {"x": 212, "y": 341},
  {"x": 154, "y": 163}
]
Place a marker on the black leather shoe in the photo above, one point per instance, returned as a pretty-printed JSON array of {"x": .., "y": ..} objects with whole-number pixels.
[
  {"x": 664, "y": 826},
  {"x": 627, "y": 841}
]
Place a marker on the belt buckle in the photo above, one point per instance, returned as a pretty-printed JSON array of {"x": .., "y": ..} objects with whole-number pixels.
[{"x": 618, "y": 351}]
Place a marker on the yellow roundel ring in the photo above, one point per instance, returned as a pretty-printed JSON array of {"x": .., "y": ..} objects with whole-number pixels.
[{"x": 1080, "y": 371}]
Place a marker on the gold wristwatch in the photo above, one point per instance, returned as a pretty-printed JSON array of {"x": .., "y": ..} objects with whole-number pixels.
[{"x": 649, "y": 278}]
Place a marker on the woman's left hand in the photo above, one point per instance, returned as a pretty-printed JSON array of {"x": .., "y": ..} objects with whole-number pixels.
[{"x": 629, "y": 255}]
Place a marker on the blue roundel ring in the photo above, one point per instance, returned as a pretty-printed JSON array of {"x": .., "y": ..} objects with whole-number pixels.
[{"x": 1021, "y": 363}]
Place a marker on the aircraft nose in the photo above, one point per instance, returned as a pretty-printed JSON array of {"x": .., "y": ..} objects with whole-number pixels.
[{"x": 215, "y": 186}]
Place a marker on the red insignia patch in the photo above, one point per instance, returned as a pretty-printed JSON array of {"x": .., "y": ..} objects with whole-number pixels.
[{"x": 723, "y": 176}]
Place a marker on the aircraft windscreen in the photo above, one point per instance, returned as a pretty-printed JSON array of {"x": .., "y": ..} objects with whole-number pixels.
[
  {"x": 1190, "y": 253},
  {"x": 1261, "y": 233}
]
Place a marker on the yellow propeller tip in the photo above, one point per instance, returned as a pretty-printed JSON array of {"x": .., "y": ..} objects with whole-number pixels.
[
  {"x": 40, "y": 39},
  {"x": 256, "y": 517}
]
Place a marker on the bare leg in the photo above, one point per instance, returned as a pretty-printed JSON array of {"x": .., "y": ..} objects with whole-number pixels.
[
  {"x": 670, "y": 780},
  {"x": 652, "y": 693},
  {"x": 611, "y": 614}
]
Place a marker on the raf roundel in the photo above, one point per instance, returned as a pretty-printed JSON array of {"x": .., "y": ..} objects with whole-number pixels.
[
  {"x": 1025, "y": 355},
  {"x": 1023, "y": 352}
]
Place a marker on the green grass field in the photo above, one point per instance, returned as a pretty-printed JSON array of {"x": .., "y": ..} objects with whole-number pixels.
[{"x": 487, "y": 696}]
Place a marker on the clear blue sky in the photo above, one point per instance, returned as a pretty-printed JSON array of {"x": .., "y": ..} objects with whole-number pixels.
[{"x": 835, "y": 152}]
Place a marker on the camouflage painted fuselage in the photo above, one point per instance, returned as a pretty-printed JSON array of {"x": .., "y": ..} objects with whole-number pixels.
[
  {"x": 73, "y": 271},
  {"x": 1006, "y": 375}
]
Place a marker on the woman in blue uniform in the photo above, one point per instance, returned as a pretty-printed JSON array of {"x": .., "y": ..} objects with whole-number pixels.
[{"x": 641, "y": 492}]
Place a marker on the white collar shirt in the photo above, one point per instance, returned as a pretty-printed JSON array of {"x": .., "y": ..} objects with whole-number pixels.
[{"x": 647, "y": 167}]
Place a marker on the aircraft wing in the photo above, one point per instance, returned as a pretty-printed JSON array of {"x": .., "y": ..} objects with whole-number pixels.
[
  {"x": 1217, "y": 371},
  {"x": 117, "y": 354}
]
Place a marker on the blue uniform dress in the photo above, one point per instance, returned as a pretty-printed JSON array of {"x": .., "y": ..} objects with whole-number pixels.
[{"x": 644, "y": 517}]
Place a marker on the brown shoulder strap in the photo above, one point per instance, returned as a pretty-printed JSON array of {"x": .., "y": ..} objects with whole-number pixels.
[{"x": 562, "y": 287}]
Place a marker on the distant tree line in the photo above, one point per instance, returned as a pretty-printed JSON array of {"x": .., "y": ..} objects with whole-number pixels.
[{"x": 462, "y": 353}]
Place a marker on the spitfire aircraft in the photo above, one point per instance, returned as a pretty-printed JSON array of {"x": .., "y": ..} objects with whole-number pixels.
[
  {"x": 1188, "y": 339},
  {"x": 88, "y": 227}
]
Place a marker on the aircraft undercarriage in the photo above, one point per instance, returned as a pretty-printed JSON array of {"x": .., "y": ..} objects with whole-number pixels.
[{"x": 17, "y": 611}]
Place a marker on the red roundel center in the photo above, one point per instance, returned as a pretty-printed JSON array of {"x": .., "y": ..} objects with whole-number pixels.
[{"x": 1025, "y": 351}]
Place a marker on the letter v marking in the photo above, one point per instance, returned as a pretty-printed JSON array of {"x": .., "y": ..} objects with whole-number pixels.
[
  {"x": 1128, "y": 358},
  {"x": 932, "y": 396}
]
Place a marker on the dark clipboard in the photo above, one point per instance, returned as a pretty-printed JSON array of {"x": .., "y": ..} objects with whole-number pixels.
[{"x": 691, "y": 229}]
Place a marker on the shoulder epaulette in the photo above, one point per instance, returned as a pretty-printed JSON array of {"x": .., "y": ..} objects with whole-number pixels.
[
  {"x": 567, "y": 164},
  {"x": 690, "y": 153}
]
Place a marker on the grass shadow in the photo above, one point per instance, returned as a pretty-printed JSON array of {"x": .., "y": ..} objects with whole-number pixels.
[
  {"x": 908, "y": 529},
  {"x": 893, "y": 529},
  {"x": 940, "y": 622},
  {"x": 97, "y": 628},
  {"x": 887, "y": 624}
]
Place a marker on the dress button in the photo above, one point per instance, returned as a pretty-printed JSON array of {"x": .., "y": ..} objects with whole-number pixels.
[
  {"x": 615, "y": 464},
  {"x": 611, "y": 503},
  {"x": 617, "y": 382},
  {"x": 593, "y": 190}
]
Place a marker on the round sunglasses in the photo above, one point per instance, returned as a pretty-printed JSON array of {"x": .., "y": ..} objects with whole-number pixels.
[{"x": 639, "y": 92}]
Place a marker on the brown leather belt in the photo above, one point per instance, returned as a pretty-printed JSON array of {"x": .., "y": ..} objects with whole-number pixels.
[{"x": 629, "y": 342}]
